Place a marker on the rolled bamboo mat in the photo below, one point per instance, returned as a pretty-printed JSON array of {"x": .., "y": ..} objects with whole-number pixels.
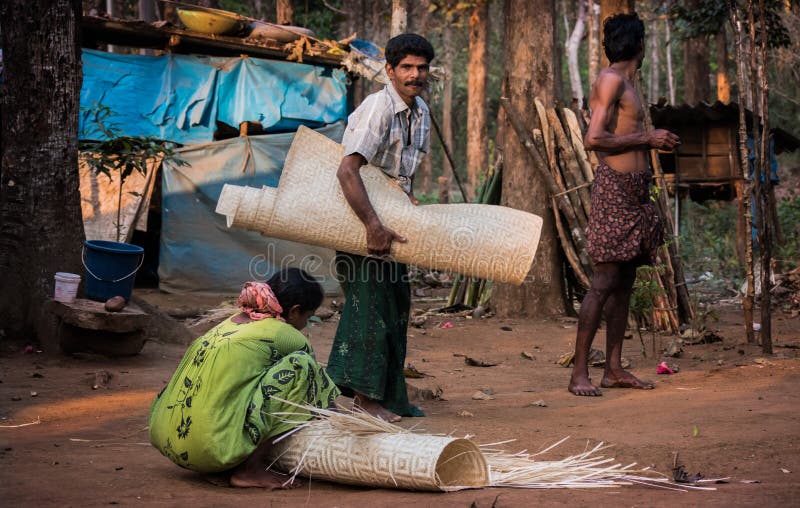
[
  {"x": 308, "y": 206},
  {"x": 405, "y": 461}
]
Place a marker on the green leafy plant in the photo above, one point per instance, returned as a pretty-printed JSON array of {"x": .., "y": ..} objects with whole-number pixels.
[{"x": 121, "y": 154}]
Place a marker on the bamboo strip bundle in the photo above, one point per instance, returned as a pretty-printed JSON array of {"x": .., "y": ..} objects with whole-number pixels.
[{"x": 354, "y": 447}]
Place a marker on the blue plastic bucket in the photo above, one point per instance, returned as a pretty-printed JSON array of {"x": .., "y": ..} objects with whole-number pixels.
[{"x": 110, "y": 268}]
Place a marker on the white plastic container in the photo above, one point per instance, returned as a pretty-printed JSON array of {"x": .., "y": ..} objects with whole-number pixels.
[{"x": 66, "y": 287}]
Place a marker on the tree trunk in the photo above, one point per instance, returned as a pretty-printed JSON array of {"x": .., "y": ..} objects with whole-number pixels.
[
  {"x": 147, "y": 10},
  {"x": 558, "y": 50},
  {"x": 654, "y": 64},
  {"x": 354, "y": 23},
  {"x": 668, "y": 50},
  {"x": 607, "y": 9},
  {"x": 695, "y": 76},
  {"x": 528, "y": 73},
  {"x": 284, "y": 12},
  {"x": 741, "y": 66},
  {"x": 765, "y": 215},
  {"x": 723, "y": 84},
  {"x": 477, "y": 132},
  {"x": 447, "y": 104},
  {"x": 572, "y": 45},
  {"x": 594, "y": 40},
  {"x": 41, "y": 228},
  {"x": 399, "y": 17},
  {"x": 257, "y": 9},
  {"x": 214, "y": 4},
  {"x": 419, "y": 20}
]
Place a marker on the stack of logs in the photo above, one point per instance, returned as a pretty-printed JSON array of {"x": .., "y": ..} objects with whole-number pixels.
[{"x": 556, "y": 146}]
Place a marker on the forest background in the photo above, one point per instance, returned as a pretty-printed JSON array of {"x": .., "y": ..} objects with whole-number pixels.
[{"x": 690, "y": 57}]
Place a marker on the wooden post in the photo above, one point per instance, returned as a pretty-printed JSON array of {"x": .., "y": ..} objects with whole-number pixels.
[
  {"x": 765, "y": 242},
  {"x": 748, "y": 297}
]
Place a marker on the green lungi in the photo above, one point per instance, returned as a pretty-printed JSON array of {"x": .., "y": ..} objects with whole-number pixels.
[
  {"x": 218, "y": 406},
  {"x": 369, "y": 350}
]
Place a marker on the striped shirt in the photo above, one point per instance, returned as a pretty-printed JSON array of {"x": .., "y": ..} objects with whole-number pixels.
[{"x": 390, "y": 134}]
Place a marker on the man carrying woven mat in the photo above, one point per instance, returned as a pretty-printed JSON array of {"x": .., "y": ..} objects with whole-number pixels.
[{"x": 390, "y": 130}]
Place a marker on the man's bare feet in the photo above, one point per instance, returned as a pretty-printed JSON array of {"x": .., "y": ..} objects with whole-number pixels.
[
  {"x": 582, "y": 385},
  {"x": 263, "y": 478},
  {"x": 374, "y": 408},
  {"x": 624, "y": 379}
]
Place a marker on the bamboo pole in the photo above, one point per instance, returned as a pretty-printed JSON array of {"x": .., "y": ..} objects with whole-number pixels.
[
  {"x": 535, "y": 150},
  {"x": 749, "y": 296},
  {"x": 576, "y": 134},
  {"x": 573, "y": 172},
  {"x": 569, "y": 250},
  {"x": 671, "y": 254},
  {"x": 765, "y": 242},
  {"x": 449, "y": 156}
]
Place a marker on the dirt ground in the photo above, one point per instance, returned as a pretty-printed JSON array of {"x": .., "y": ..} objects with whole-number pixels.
[{"x": 729, "y": 412}]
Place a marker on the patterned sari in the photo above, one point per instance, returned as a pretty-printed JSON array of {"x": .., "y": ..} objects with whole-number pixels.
[{"x": 217, "y": 407}]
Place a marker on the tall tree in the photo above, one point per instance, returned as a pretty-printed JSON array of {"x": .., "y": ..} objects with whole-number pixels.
[
  {"x": 696, "y": 85},
  {"x": 668, "y": 50},
  {"x": 41, "y": 229},
  {"x": 447, "y": 107},
  {"x": 593, "y": 47},
  {"x": 528, "y": 73},
  {"x": 723, "y": 83},
  {"x": 147, "y": 10},
  {"x": 572, "y": 45},
  {"x": 285, "y": 12},
  {"x": 420, "y": 22},
  {"x": 609, "y": 8},
  {"x": 477, "y": 132},
  {"x": 399, "y": 17},
  {"x": 654, "y": 64}
]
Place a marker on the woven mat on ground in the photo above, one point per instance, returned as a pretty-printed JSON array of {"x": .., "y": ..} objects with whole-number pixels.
[{"x": 403, "y": 461}]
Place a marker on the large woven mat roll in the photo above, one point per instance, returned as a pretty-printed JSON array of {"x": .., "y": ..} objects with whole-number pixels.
[
  {"x": 406, "y": 461},
  {"x": 308, "y": 206}
]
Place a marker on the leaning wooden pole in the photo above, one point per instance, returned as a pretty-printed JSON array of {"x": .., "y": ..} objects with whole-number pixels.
[
  {"x": 749, "y": 295},
  {"x": 541, "y": 166},
  {"x": 670, "y": 253},
  {"x": 765, "y": 232}
]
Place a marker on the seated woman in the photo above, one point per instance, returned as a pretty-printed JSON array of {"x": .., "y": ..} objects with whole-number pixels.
[{"x": 216, "y": 412}]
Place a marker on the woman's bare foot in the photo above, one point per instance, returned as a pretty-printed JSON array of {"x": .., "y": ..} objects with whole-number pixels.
[
  {"x": 374, "y": 408},
  {"x": 624, "y": 379},
  {"x": 262, "y": 478},
  {"x": 582, "y": 385}
]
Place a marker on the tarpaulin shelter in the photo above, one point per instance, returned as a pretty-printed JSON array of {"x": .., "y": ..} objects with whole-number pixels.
[{"x": 182, "y": 99}]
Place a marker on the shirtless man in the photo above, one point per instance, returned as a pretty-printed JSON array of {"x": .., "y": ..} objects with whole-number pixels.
[{"x": 624, "y": 228}]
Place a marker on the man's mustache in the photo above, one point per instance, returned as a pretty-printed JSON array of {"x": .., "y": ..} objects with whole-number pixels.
[{"x": 415, "y": 82}]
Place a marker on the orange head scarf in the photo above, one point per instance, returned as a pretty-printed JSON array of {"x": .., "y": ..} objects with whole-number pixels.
[{"x": 258, "y": 301}]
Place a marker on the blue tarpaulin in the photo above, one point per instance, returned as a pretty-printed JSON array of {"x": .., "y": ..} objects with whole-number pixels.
[
  {"x": 199, "y": 253},
  {"x": 179, "y": 98}
]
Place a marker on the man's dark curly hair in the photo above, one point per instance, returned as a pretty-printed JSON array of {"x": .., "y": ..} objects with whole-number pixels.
[
  {"x": 407, "y": 44},
  {"x": 623, "y": 37}
]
